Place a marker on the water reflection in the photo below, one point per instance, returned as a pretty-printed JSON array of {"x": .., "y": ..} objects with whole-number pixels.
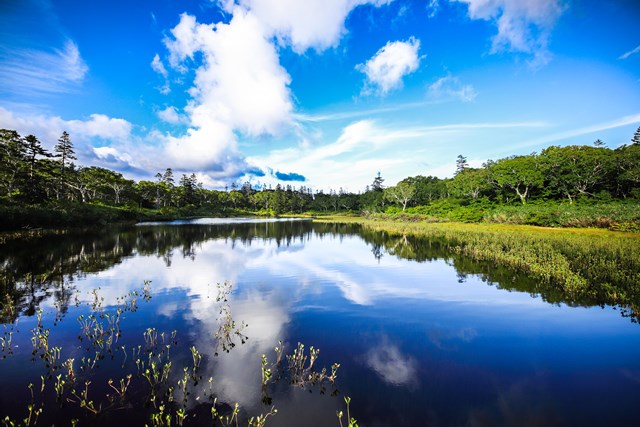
[
  {"x": 39, "y": 269},
  {"x": 393, "y": 367},
  {"x": 419, "y": 334}
]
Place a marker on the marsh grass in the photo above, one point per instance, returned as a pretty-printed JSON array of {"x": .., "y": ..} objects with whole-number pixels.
[{"x": 591, "y": 266}]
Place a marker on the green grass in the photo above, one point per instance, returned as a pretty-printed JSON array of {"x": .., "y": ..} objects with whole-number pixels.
[{"x": 612, "y": 215}]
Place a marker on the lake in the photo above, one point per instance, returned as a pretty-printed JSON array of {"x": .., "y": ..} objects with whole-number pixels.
[{"x": 422, "y": 336}]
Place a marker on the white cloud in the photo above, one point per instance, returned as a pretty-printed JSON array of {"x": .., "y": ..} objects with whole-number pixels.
[
  {"x": 305, "y": 24},
  {"x": 239, "y": 86},
  {"x": 450, "y": 87},
  {"x": 85, "y": 134},
  {"x": 101, "y": 126},
  {"x": 628, "y": 54},
  {"x": 433, "y": 7},
  {"x": 390, "y": 64},
  {"x": 112, "y": 154},
  {"x": 171, "y": 115},
  {"x": 158, "y": 66},
  {"x": 523, "y": 25},
  {"x": 49, "y": 128},
  {"x": 365, "y": 147},
  {"x": 28, "y": 71},
  {"x": 598, "y": 127}
]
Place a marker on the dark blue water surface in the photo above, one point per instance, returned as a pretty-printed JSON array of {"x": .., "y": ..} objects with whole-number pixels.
[{"x": 423, "y": 337}]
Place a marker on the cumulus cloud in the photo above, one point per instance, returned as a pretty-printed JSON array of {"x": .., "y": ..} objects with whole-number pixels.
[
  {"x": 239, "y": 85},
  {"x": 49, "y": 128},
  {"x": 523, "y": 25},
  {"x": 385, "y": 70},
  {"x": 112, "y": 158},
  {"x": 29, "y": 71},
  {"x": 101, "y": 126},
  {"x": 450, "y": 87},
  {"x": 317, "y": 24}
]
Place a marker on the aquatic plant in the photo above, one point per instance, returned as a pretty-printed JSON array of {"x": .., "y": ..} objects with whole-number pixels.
[{"x": 148, "y": 371}]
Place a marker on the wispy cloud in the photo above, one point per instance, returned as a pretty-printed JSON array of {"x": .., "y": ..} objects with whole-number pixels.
[
  {"x": 343, "y": 115},
  {"x": 450, "y": 87},
  {"x": 29, "y": 71},
  {"x": 367, "y": 146},
  {"x": 560, "y": 136},
  {"x": 628, "y": 54}
]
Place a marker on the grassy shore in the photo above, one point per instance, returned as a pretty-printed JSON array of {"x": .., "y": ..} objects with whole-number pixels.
[{"x": 586, "y": 264}]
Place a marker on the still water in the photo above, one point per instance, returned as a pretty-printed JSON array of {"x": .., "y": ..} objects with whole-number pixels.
[{"x": 422, "y": 336}]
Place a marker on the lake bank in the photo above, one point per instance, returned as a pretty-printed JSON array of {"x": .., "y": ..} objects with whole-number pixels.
[{"x": 612, "y": 215}]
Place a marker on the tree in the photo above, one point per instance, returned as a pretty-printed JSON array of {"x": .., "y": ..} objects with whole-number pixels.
[
  {"x": 428, "y": 188},
  {"x": 628, "y": 163},
  {"x": 402, "y": 193},
  {"x": 189, "y": 189},
  {"x": 65, "y": 153},
  {"x": 377, "y": 183},
  {"x": 598, "y": 143},
  {"x": 577, "y": 169},
  {"x": 517, "y": 173},
  {"x": 12, "y": 160},
  {"x": 236, "y": 197},
  {"x": 81, "y": 181},
  {"x": 470, "y": 183},
  {"x": 167, "y": 177},
  {"x": 33, "y": 149},
  {"x": 636, "y": 137},
  {"x": 461, "y": 164}
]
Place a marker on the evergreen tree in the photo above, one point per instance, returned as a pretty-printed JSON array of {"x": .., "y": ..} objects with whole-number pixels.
[
  {"x": 167, "y": 177},
  {"x": 64, "y": 153},
  {"x": 377, "y": 183},
  {"x": 33, "y": 150},
  {"x": 12, "y": 161},
  {"x": 461, "y": 164},
  {"x": 636, "y": 137}
]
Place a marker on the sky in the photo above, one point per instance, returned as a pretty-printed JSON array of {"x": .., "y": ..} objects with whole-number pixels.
[{"x": 318, "y": 93}]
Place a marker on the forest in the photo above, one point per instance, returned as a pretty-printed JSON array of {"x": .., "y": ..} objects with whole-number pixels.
[{"x": 576, "y": 185}]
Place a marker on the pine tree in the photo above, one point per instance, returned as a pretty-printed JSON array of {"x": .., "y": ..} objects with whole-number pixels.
[
  {"x": 64, "y": 152},
  {"x": 461, "y": 164},
  {"x": 377, "y": 183},
  {"x": 636, "y": 137}
]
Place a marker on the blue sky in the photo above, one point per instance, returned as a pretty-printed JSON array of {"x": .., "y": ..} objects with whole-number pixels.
[{"x": 321, "y": 93}]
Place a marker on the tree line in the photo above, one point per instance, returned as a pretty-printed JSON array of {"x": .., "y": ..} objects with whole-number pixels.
[{"x": 31, "y": 175}]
